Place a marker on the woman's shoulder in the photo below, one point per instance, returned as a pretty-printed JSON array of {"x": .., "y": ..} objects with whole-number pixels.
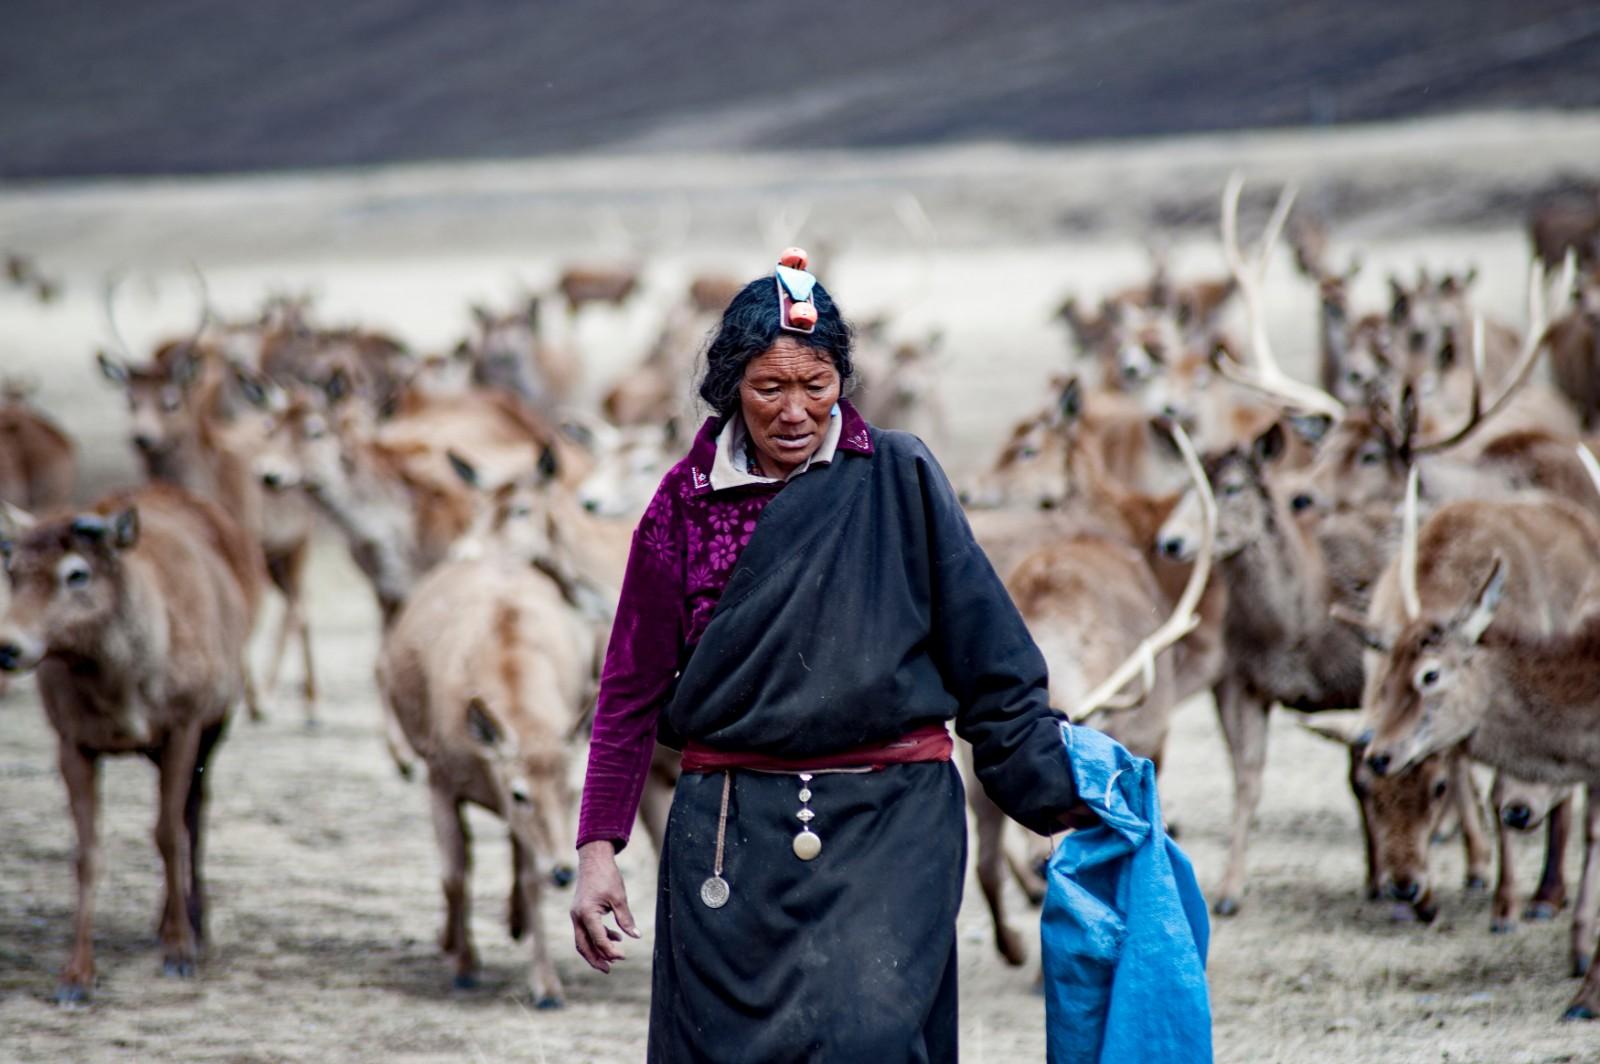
[{"x": 903, "y": 450}]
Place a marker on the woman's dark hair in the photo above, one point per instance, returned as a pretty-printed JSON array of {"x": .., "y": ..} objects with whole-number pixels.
[{"x": 750, "y": 326}]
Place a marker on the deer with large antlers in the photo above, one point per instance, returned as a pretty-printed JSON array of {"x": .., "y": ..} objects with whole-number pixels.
[{"x": 1091, "y": 601}]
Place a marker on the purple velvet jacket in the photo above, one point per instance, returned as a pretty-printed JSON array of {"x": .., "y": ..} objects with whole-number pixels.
[{"x": 683, "y": 553}]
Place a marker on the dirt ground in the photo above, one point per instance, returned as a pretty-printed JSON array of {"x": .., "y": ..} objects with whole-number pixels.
[{"x": 322, "y": 866}]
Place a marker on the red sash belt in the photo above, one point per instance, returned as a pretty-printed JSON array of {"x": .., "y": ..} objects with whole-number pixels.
[{"x": 931, "y": 742}]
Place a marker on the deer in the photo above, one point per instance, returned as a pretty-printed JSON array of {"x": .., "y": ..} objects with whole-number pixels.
[
  {"x": 1091, "y": 600},
  {"x": 1484, "y": 634},
  {"x": 1574, "y": 341},
  {"x": 1567, "y": 224},
  {"x": 900, "y": 390},
  {"x": 488, "y": 671},
  {"x": 162, "y": 394},
  {"x": 510, "y": 354},
  {"x": 629, "y": 463},
  {"x": 38, "y": 460},
  {"x": 581, "y": 285},
  {"x": 1283, "y": 573},
  {"x": 134, "y": 616},
  {"x": 1339, "y": 367}
]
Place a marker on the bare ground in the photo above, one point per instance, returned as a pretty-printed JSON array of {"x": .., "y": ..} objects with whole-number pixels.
[{"x": 322, "y": 866}]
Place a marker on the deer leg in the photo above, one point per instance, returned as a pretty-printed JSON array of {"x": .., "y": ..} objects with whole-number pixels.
[
  {"x": 518, "y": 910},
  {"x": 308, "y": 690},
  {"x": 543, "y": 982},
  {"x": 1551, "y": 895},
  {"x": 252, "y": 697},
  {"x": 1503, "y": 916},
  {"x": 1028, "y": 869},
  {"x": 1244, "y": 726},
  {"x": 454, "y": 848},
  {"x": 1584, "y": 914},
  {"x": 194, "y": 822},
  {"x": 656, "y": 801},
  {"x": 395, "y": 741},
  {"x": 280, "y": 644},
  {"x": 991, "y": 823},
  {"x": 80, "y": 771},
  {"x": 1369, "y": 841},
  {"x": 288, "y": 573},
  {"x": 1474, "y": 833},
  {"x": 179, "y": 759}
]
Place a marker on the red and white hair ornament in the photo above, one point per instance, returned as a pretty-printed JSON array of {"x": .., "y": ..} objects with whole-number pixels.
[{"x": 797, "y": 311}]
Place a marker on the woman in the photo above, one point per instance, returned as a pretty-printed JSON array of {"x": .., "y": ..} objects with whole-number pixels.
[{"x": 804, "y": 608}]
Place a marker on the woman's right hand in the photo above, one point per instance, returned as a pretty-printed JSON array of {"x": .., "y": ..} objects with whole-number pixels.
[{"x": 600, "y": 891}]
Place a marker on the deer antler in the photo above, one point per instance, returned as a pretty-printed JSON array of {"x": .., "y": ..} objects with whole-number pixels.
[
  {"x": 1409, "y": 595},
  {"x": 108, "y": 294},
  {"x": 1532, "y": 345},
  {"x": 1590, "y": 464},
  {"x": 1266, "y": 375},
  {"x": 1183, "y": 620}
]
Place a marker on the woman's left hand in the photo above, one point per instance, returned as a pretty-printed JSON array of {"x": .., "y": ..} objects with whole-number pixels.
[{"x": 1078, "y": 817}]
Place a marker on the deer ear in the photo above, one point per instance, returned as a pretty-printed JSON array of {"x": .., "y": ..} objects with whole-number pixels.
[
  {"x": 125, "y": 528},
  {"x": 1477, "y": 617},
  {"x": 481, "y": 725},
  {"x": 1070, "y": 403},
  {"x": 336, "y": 387},
  {"x": 549, "y": 465},
  {"x": 111, "y": 369},
  {"x": 463, "y": 469},
  {"x": 1339, "y": 726},
  {"x": 1310, "y": 427},
  {"x": 250, "y": 387},
  {"x": 1269, "y": 446},
  {"x": 1354, "y": 620},
  {"x": 1400, "y": 308},
  {"x": 14, "y": 521}
]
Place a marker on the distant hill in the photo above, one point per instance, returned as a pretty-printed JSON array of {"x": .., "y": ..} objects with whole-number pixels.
[{"x": 175, "y": 86}]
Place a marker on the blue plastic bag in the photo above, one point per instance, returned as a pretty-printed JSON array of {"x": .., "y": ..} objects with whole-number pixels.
[{"x": 1124, "y": 932}]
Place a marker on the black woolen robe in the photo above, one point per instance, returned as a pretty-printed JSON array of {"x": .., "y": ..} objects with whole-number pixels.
[{"x": 861, "y": 608}]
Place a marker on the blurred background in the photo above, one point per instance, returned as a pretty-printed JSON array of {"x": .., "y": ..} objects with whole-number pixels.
[{"x": 188, "y": 86}]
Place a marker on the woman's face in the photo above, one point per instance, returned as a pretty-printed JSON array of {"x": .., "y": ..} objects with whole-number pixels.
[{"x": 787, "y": 397}]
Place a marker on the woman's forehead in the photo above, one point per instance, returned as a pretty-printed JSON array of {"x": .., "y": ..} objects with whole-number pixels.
[{"x": 788, "y": 356}]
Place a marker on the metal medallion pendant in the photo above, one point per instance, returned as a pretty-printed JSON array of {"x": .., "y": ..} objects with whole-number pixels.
[
  {"x": 807, "y": 845},
  {"x": 714, "y": 892}
]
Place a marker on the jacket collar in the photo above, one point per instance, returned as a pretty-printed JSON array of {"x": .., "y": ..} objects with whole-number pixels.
[{"x": 854, "y": 438}]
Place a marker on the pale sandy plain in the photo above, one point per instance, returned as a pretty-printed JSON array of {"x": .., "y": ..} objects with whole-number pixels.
[{"x": 322, "y": 865}]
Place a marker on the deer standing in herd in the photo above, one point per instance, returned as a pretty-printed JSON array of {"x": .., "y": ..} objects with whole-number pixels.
[{"x": 134, "y": 615}]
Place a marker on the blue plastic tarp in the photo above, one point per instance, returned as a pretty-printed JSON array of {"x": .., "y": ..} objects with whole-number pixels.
[{"x": 1124, "y": 928}]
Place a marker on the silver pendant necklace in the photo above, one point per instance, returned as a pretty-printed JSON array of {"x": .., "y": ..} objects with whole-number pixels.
[
  {"x": 714, "y": 892},
  {"x": 807, "y": 844}
]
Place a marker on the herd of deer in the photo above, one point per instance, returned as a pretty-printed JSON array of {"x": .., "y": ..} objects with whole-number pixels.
[
  {"x": 485, "y": 509},
  {"x": 1415, "y": 537}
]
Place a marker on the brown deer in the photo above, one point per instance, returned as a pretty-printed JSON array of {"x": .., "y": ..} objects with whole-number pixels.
[
  {"x": 581, "y": 285},
  {"x": 1093, "y": 604},
  {"x": 488, "y": 671},
  {"x": 1567, "y": 224},
  {"x": 511, "y": 354},
  {"x": 1574, "y": 341},
  {"x": 135, "y": 616},
  {"x": 38, "y": 462},
  {"x": 1479, "y": 656},
  {"x": 1549, "y": 542}
]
